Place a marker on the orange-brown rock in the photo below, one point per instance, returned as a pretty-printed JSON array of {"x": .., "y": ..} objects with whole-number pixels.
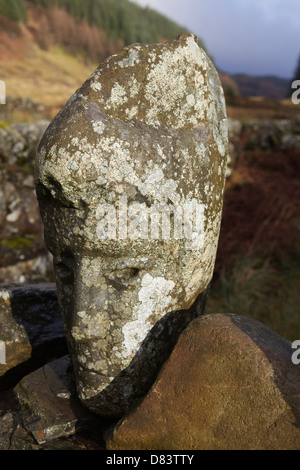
[{"x": 229, "y": 383}]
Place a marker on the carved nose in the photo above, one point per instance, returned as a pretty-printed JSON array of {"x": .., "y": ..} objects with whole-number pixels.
[{"x": 87, "y": 326}]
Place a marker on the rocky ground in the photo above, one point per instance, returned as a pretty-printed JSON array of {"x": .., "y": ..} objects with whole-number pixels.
[
  {"x": 38, "y": 404},
  {"x": 39, "y": 408},
  {"x": 23, "y": 256}
]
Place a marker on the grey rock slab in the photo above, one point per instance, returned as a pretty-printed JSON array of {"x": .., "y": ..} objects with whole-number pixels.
[
  {"x": 30, "y": 317},
  {"x": 13, "y": 436},
  {"x": 130, "y": 178},
  {"x": 6, "y": 430},
  {"x": 38, "y": 269},
  {"x": 76, "y": 442},
  {"x": 22, "y": 440},
  {"x": 50, "y": 406}
]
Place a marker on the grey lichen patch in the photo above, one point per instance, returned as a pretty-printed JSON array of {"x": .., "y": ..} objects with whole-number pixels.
[
  {"x": 142, "y": 140},
  {"x": 132, "y": 59},
  {"x": 153, "y": 297}
]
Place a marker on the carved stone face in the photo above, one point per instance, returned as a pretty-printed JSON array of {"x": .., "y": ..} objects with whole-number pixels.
[{"x": 119, "y": 172}]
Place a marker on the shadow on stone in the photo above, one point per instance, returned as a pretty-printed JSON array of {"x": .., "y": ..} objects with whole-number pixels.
[
  {"x": 50, "y": 408},
  {"x": 32, "y": 327},
  {"x": 40, "y": 356},
  {"x": 125, "y": 391}
]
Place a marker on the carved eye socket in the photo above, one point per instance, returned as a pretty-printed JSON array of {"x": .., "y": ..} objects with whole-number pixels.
[
  {"x": 126, "y": 274},
  {"x": 123, "y": 278},
  {"x": 64, "y": 268}
]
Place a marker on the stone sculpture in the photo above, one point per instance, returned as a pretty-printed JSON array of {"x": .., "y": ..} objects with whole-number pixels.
[{"x": 130, "y": 178}]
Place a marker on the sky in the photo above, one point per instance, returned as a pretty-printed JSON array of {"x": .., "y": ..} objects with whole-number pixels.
[{"x": 256, "y": 37}]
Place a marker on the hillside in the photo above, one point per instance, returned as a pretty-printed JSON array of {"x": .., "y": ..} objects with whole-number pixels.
[
  {"x": 268, "y": 86},
  {"x": 120, "y": 20},
  {"x": 49, "y": 47},
  {"x": 48, "y": 77}
]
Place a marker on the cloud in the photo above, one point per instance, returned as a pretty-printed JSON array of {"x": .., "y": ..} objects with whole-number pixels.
[{"x": 251, "y": 36}]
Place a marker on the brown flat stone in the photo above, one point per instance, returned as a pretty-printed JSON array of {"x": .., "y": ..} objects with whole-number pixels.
[{"x": 229, "y": 383}]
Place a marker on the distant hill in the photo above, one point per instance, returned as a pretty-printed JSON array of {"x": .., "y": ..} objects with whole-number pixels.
[
  {"x": 229, "y": 85},
  {"x": 267, "y": 86}
]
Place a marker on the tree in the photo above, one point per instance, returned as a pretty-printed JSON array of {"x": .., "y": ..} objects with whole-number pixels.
[{"x": 14, "y": 9}]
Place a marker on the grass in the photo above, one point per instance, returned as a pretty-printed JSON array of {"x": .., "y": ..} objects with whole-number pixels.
[
  {"x": 257, "y": 272},
  {"x": 15, "y": 243},
  {"x": 24, "y": 116},
  {"x": 260, "y": 108},
  {"x": 47, "y": 77},
  {"x": 262, "y": 288}
]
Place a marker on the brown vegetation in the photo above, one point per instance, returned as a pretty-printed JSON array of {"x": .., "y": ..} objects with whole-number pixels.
[
  {"x": 262, "y": 206},
  {"x": 55, "y": 25},
  {"x": 11, "y": 40},
  {"x": 272, "y": 87},
  {"x": 263, "y": 109}
]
